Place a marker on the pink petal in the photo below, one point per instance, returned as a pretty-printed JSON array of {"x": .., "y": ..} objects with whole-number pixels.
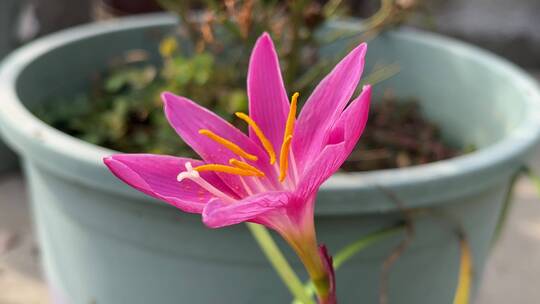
[
  {"x": 325, "y": 105},
  {"x": 328, "y": 162},
  {"x": 219, "y": 214},
  {"x": 352, "y": 121},
  {"x": 341, "y": 141},
  {"x": 156, "y": 175},
  {"x": 268, "y": 102},
  {"x": 187, "y": 118}
]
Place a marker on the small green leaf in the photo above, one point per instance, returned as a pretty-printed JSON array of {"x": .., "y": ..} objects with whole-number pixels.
[
  {"x": 202, "y": 68},
  {"x": 115, "y": 82},
  {"x": 235, "y": 101}
]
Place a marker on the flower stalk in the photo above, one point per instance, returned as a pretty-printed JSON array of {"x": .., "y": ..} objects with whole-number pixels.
[{"x": 279, "y": 262}]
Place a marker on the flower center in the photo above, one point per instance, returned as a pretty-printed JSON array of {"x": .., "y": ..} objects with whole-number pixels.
[
  {"x": 242, "y": 168},
  {"x": 264, "y": 140},
  {"x": 238, "y": 168},
  {"x": 245, "y": 166},
  {"x": 228, "y": 144}
]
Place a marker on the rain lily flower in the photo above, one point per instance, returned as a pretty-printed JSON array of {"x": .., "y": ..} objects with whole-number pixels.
[{"x": 270, "y": 176}]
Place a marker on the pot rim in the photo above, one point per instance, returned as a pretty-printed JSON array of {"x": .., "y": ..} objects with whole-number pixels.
[{"x": 16, "y": 120}]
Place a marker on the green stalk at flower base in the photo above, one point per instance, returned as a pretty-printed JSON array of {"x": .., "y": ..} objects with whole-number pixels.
[
  {"x": 318, "y": 273},
  {"x": 279, "y": 262},
  {"x": 315, "y": 259},
  {"x": 351, "y": 250},
  {"x": 309, "y": 256}
]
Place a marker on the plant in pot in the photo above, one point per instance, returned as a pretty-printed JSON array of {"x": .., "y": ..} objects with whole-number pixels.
[{"x": 104, "y": 242}]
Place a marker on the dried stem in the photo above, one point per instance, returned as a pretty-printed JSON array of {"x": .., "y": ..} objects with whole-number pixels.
[
  {"x": 398, "y": 251},
  {"x": 293, "y": 54}
]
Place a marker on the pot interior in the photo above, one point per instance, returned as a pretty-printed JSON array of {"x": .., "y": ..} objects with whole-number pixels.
[{"x": 472, "y": 103}]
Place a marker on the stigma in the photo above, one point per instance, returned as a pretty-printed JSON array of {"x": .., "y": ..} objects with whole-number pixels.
[{"x": 193, "y": 175}]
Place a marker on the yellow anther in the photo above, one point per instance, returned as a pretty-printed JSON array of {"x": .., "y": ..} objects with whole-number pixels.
[
  {"x": 243, "y": 165},
  {"x": 228, "y": 144},
  {"x": 225, "y": 169},
  {"x": 287, "y": 138},
  {"x": 264, "y": 141},
  {"x": 289, "y": 127},
  {"x": 284, "y": 158}
]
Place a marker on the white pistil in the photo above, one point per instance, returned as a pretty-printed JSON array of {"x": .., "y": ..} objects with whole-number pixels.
[
  {"x": 189, "y": 173},
  {"x": 195, "y": 177},
  {"x": 294, "y": 168}
]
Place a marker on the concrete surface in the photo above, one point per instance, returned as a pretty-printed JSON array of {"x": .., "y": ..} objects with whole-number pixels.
[
  {"x": 20, "y": 277},
  {"x": 497, "y": 25},
  {"x": 512, "y": 274}
]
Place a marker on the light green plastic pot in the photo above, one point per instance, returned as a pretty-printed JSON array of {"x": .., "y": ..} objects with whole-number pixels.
[{"x": 103, "y": 242}]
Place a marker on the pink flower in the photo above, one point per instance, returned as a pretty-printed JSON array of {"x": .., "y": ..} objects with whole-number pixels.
[{"x": 271, "y": 176}]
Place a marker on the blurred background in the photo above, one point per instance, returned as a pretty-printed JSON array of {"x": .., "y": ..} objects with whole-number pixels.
[{"x": 508, "y": 28}]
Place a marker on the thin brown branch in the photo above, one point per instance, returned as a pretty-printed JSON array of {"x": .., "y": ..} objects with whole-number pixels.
[{"x": 398, "y": 251}]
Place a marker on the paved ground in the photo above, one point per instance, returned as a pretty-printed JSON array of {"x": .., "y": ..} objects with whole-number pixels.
[
  {"x": 513, "y": 271},
  {"x": 20, "y": 279},
  {"x": 512, "y": 274}
]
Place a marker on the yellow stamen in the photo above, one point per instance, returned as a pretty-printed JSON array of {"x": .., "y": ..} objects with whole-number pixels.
[
  {"x": 265, "y": 142},
  {"x": 225, "y": 169},
  {"x": 287, "y": 138},
  {"x": 289, "y": 127},
  {"x": 284, "y": 158},
  {"x": 228, "y": 144},
  {"x": 243, "y": 165}
]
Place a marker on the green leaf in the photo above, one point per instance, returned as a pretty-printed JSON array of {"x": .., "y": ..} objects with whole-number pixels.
[
  {"x": 463, "y": 290},
  {"x": 115, "y": 82},
  {"x": 203, "y": 66},
  {"x": 234, "y": 101},
  {"x": 139, "y": 79},
  {"x": 278, "y": 260}
]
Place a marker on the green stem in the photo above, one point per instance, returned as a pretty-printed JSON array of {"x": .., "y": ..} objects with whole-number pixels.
[
  {"x": 380, "y": 16},
  {"x": 381, "y": 74},
  {"x": 506, "y": 205},
  {"x": 279, "y": 262},
  {"x": 354, "y": 248}
]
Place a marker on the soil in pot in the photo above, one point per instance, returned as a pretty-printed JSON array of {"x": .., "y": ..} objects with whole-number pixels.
[
  {"x": 122, "y": 109},
  {"x": 123, "y": 112}
]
